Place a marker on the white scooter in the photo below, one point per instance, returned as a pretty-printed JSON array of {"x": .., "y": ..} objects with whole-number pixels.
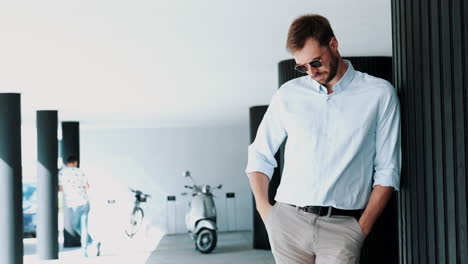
[{"x": 201, "y": 217}]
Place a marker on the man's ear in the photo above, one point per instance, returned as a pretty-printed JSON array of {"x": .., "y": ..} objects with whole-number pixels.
[{"x": 333, "y": 44}]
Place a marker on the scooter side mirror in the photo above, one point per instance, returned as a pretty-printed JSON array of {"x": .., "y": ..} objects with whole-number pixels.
[
  {"x": 219, "y": 186},
  {"x": 187, "y": 175}
]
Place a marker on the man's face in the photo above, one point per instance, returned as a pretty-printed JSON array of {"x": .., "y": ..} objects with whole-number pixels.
[{"x": 328, "y": 56}]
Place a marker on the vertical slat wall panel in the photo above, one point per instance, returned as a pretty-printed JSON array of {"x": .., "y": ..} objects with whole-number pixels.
[
  {"x": 435, "y": 87},
  {"x": 396, "y": 76},
  {"x": 419, "y": 131},
  {"x": 428, "y": 150},
  {"x": 462, "y": 179},
  {"x": 464, "y": 11},
  {"x": 459, "y": 135},
  {"x": 430, "y": 51}
]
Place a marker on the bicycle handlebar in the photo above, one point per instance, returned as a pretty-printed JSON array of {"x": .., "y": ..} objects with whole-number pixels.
[{"x": 139, "y": 192}]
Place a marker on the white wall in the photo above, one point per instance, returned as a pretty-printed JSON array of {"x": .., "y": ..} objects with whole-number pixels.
[{"x": 153, "y": 159}]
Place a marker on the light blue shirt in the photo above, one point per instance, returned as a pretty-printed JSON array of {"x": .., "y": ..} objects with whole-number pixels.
[{"x": 338, "y": 145}]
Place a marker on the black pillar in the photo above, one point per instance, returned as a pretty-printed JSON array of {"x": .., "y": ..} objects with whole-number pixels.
[
  {"x": 381, "y": 245},
  {"x": 70, "y": 145},
  {"x": 47, "y": 155},
  {"x": 430, "y": 47},
  {"x": 260, "y": 235},
  {"x": 11, "y": 215}
]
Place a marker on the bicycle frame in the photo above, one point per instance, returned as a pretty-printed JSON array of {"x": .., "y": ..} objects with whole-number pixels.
[{"x": 137, "y": 214}]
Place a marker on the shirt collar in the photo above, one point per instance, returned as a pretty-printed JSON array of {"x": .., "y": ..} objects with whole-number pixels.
[{"x": 341, "y": 84}]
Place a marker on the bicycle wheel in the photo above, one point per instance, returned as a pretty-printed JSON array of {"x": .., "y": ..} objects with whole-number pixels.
[{"x": 136, "y": 218}]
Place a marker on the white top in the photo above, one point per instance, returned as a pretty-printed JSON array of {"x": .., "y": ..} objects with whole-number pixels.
[
  {"x": 73, "y": 182},
  {"x": 338, "y": 145}
]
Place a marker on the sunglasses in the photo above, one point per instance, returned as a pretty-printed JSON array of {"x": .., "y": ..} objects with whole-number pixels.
[{"x": 303, "y": 68}]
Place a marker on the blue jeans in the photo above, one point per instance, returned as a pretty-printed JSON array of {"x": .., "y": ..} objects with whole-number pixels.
[{"x": 79, "y": 216}]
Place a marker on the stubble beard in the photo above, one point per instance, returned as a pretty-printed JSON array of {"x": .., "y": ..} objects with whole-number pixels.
[{"x": 333, "y": 69}]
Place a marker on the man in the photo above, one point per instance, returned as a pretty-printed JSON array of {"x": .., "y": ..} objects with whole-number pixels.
[
  {"x": 74, "y": 184},
  {"x": 343, "y": 138}
]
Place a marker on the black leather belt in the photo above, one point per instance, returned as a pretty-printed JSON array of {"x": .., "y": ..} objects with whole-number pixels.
[{"x": 323, "y": 210}]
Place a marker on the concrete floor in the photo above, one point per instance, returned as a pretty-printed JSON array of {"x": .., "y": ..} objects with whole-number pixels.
[
  {"x": 233, "y": 247},
  {"x": 116, "y": 248},
  {"x": 75, "y": 256}
]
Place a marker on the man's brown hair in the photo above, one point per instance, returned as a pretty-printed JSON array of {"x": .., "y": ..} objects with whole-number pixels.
[{"x": 307, "y": 26}]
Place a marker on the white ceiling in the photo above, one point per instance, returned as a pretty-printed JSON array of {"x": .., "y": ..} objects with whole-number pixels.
[{"x": 164, "y": 63}]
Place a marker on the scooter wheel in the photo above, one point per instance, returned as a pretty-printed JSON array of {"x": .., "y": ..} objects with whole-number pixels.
[{"x": 206, "y": 240}]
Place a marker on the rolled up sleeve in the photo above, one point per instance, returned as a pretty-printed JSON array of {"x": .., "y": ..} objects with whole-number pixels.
[
  {"x": 387, "y": 163},
  {"x": 270, "y": 134}
]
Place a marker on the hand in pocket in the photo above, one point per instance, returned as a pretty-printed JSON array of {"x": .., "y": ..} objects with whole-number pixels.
[{"x": 264, "y": 210}]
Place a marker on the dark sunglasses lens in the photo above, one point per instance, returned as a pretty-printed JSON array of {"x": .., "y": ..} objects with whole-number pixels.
[
  {"x": 316, "y": 64},
  {"x": 301, "y": 68}
]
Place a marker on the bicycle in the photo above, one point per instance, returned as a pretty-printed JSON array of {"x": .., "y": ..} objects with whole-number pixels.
[{"x": 137, "y": 214}]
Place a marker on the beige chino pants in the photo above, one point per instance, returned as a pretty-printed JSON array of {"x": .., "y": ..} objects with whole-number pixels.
[{"x": 299, "y": 237}]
